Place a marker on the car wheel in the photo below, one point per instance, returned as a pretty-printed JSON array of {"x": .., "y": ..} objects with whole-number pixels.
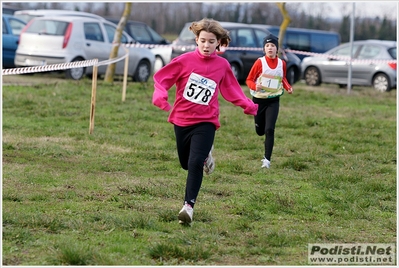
[
  {"x": 381, "y": 83},
  {"x": 158, "y": 64},
  {"x": 236, "y": 70},
  {"x": 291, "y": 75},
  {"x": 312, "y": 76},
  {"x": 143, "y": 72},
  {"x": 75, "y": 73}
]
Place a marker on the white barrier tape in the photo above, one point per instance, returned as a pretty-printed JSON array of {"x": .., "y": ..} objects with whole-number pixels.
[
  {"x": 223, "y": 49},
  {"x": 86, "y": 63},
  {"x": 61, "y": 66},
  {"x": 51, "y": 67},
  {"x": 338, "y": 57},
  {"x": 141, "y": 45},
  {"x": 110, "y": 61}
]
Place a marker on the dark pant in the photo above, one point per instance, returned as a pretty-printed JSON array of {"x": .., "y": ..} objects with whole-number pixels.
[
  {"x": 193, "y": 146},
  {"x": 265, "y": 121}
]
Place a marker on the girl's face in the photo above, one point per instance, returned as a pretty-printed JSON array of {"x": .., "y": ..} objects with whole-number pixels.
[
  {"x": 207, "y": 43},
  {"x": 270, "y": 50}
]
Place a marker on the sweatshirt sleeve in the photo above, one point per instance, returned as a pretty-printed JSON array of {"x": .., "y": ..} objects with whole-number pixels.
[
  {"x": 253, "y": 74},
  {"x": 286, "y": 84},
  {"x": 231, "y": 91},
  {"x": 164, "y": 79}
]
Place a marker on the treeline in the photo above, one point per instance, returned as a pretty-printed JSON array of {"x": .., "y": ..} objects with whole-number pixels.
[{"x": 169, "y": 17}]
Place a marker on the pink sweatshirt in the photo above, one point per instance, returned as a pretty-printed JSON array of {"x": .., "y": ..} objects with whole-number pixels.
[{"x": 198, "y": 80}]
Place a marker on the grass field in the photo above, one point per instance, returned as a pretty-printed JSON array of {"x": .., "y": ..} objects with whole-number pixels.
[{"x": 112, "y": 197}]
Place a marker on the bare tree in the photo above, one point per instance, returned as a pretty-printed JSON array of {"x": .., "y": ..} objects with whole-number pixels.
[
  {"x": 284, "y": 24},
  {"x": 109, "y": 74}
]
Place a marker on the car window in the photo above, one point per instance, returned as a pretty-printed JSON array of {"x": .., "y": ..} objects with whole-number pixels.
[
  {"x": 16, "y": 26},
  {"x": 369, "y": 52},
  {"x": 140, "y": 33},
  {"x": 111, "y": 30},
  {"x": 345, "y": 51},
  {"x": 392, "y": 52},
  {"x": 298, "y": 41},
  {"x": 186, "y": 34},
  {"x": 48, "y": 27},
  {"x": 233, "y": 37},
  {"x": 155, "y": 36},
  {"x": 245, "y": 38},
  {"x": 322, "y": 42},
  {"x": 93, "y": 31},
  {"x": 260, "y": 35}
]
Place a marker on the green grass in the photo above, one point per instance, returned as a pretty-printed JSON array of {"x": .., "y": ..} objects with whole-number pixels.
[{"x": 112, "y": 197}]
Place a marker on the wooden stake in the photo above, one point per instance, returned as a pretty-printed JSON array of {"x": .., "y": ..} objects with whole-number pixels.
[
  {"x": 125, "y": 75},
  {"x": 93, "y": 98}
]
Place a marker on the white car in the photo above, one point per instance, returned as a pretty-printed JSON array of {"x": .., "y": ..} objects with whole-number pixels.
[
  {"x": 65, "y": 39},
  {"x": 29, "y": 14}
]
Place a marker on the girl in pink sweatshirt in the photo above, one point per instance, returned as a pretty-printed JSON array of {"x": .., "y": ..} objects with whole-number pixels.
[{"x": 199, "y": 76}]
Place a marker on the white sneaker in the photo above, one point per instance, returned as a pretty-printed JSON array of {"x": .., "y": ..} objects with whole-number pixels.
[
  {"x": 209, "y": 164},
  {"x": 186, "y": 214},
  {"x": 265, "y": 163}
]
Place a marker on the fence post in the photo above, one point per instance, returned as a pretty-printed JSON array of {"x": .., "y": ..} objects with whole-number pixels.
[
  {"x": 93, "y": 98},
  {"x": 125, "y": 74}
]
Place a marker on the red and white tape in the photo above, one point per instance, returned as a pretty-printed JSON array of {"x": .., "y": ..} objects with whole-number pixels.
[
  {"x": 51, "y": 67},
  {"x": 86, "y": 63},
  {"x": 222, "y": 49}
]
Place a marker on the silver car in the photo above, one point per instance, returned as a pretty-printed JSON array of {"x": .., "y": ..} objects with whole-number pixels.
[
  {"x": 373, "y": 64},
  {"x": 65, "y": 39}
]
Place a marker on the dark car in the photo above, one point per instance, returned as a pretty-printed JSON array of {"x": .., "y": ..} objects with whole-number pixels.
[
  {"x": 9, "y": 10},
  {"x": 373, "y": 64},
  {"x": 245, "y": 47},
  {"x": 12, "y": 27},
  {"x": 144, "y": 34}
]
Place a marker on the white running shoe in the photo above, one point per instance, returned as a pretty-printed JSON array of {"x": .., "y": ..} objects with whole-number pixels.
[
  {"x": 186, "y": 214},
  {"x": 209, "y": 164},
  {"x": 265, "y": 163}
]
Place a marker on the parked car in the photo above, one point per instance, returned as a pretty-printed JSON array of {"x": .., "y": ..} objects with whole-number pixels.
[
  {"x": 241, "y": 60},
  {"x": 306, "y": 40},
  {"x": 144, "y": 34},
  {"x": 64, "y": 39},
  {"x": 374, "y": 64},
  {"x": 12, "y": 27},
  {"x": 28, "y": 14}
]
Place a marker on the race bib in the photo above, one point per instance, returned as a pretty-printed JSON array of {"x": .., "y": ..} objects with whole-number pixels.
[
  {"x": 199, "y": 89},
  {"x": 270, "y": 83}
]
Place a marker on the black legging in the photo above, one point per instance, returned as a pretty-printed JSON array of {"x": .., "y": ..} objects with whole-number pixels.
[
  {"x": 193, "y": 146},
  {"x": 265, "y": 121}
]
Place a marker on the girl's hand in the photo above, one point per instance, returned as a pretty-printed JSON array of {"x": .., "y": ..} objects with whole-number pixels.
[
  {"x": 258, "y": 87},
  {"x": 290, "y": 90}
]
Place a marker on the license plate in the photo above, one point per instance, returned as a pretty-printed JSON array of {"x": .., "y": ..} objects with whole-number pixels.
[{"x": 30, "y": 62}]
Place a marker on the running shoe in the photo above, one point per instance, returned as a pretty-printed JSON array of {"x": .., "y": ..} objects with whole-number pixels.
[
  {"x": 209, "y": 164},
  {"x": 265, "y": 163},
  {"x": 186, "y": 214}
]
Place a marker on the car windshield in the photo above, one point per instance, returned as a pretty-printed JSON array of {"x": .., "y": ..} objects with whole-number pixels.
[
  {"x": 48, "y": 27},
  {"x": 25, "y": 17},
  {"x": 186, "y": 34},
  {"x": 111, "y": 30}
]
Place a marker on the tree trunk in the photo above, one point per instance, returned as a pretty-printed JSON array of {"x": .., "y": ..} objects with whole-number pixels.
[
  {"x": 284, "y": 25},
  {"x": 109, "y": 74}
]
